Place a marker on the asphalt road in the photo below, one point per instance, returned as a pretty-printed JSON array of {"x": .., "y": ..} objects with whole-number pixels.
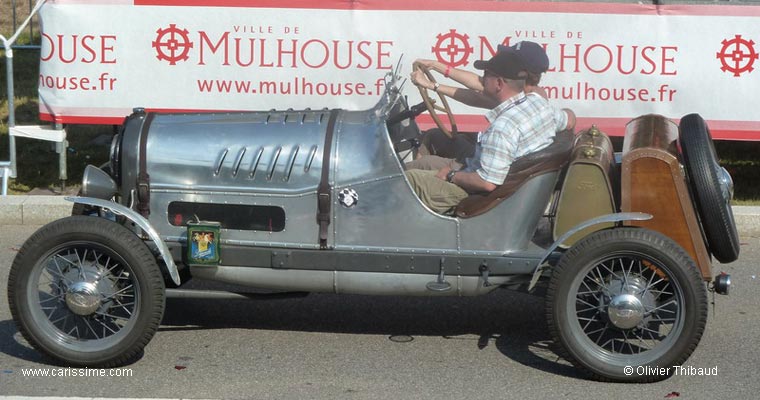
[{"x": 359, "y": 347}]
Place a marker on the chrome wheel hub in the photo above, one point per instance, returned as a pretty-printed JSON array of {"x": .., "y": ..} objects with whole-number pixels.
[
  {"x": 82, "y": 298},
  {"x": 626, "y": 311},
  {"x": 628, "y": 302},
  {"x": 726, "y": 184}
]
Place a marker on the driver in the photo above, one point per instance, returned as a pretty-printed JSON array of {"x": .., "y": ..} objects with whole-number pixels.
[
  {"x": 434, "y": 141},
  {"x": 519, "y": 124}
]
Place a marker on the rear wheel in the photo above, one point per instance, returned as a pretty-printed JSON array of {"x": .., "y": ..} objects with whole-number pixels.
[
  {"x": 86, "y": 292},
  {"x": 626, "y": 305}
]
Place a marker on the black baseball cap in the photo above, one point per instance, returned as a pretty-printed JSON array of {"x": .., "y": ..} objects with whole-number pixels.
[
  {"x": 532, "y": 55},
  {"x": 503, "y": 64}
]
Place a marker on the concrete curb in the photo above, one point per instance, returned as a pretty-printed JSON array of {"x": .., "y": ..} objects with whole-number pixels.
[
  {"x": 39, "y": 210},
  {"x": 747, "y": 220},
  {"x": 33, "y": 210}
]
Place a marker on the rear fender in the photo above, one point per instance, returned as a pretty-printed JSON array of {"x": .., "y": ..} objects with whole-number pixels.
[
  {"x": 140, "y": 221},
  {"x": 603, "y": 219}
]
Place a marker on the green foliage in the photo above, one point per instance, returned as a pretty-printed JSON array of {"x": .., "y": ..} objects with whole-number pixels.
[
  {"x": 742, "y": 161},
  {"x": 37, "y": 161}
]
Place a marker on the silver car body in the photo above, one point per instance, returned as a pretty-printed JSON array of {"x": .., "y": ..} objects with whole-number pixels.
[{"x": 386, "y": 242}]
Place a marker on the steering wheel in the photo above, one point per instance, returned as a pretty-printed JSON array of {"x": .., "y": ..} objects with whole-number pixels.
[{"x": 433, "y": 108}]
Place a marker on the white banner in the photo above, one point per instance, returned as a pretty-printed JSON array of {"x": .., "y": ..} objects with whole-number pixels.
[{"x": 609, "y": 62}]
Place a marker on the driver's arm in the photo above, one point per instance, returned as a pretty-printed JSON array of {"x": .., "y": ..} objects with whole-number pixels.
[
  {"x": 469, "y": 79},
  {"x": 570, "y": 115},
  {"x": 469, "y": 97}
]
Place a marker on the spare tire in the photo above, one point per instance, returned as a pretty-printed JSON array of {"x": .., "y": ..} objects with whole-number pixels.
[{"x": 711, "y": 188}]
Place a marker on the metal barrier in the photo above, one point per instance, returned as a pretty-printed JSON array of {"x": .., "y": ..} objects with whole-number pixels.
[
  {"x": 8, "y": 168},
  {"x": 5, "y": 170}
]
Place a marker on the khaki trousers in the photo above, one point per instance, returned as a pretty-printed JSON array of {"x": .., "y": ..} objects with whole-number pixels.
[
  {"x": 433, "y": 163},
  {"x": 439, "y": 195}
]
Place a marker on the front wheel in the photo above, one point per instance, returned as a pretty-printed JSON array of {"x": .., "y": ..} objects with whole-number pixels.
[
  {"x": 86, "y": 292},
  {"x": 626, "y": 305}
]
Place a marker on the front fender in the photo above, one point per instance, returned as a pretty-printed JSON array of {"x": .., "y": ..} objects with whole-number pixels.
[
  {"x": 140, "y": 221},
  {"x": 616, "y": 217}
]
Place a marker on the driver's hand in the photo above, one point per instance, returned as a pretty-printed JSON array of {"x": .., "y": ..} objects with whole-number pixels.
[
  {"x": 441, "y": 174},
  {"x": 429, "y": 64},
  {"x": 419, "y": 79}
]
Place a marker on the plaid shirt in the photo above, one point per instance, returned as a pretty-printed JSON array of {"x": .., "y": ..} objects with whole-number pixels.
[{"x": 520, "y": 125}]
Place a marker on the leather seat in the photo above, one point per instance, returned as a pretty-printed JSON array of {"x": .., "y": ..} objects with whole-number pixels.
[{"x": 549, "y": 159}]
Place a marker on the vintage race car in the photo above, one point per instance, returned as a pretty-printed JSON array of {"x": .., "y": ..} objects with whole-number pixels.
[{"x": 620, "y": 244}]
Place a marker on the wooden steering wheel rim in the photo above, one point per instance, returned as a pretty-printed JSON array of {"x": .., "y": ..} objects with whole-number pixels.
[{"x": 430, "y": 104}]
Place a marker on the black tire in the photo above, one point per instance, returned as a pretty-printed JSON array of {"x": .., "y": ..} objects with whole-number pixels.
[
  {"x": 86, "y": 292},
  {"x": 620, "y": 267},
  {"x": 713, "y": 205}
]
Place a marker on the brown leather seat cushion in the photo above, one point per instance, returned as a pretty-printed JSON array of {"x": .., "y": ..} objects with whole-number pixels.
[{"x": 549, "y": 159}]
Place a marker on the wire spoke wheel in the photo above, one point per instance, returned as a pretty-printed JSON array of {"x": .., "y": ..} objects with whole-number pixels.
[
  {"x": 626, "y": 297},
  {"x": 86, "y": 291},
  {"x": 85, "y": 295},
  {"x": 625, "y": 305}
]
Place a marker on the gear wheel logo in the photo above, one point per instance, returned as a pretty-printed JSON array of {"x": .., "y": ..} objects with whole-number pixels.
[
  {"x": 452, "y": 48},
  {"x": 737, "y": 55},
  {"x": 172, "y": 44}
]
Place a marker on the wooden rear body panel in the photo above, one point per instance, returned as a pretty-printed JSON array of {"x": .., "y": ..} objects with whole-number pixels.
[{"x": 653, "y": 182}]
